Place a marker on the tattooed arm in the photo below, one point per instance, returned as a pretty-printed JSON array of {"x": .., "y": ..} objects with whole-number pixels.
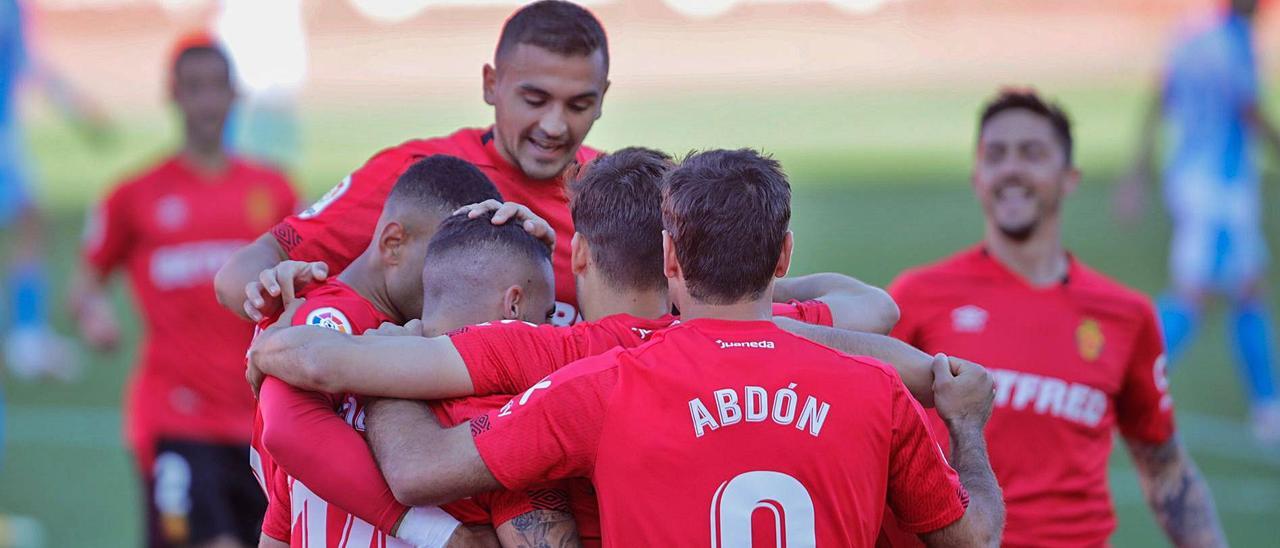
[
  {"x": 539, "y": 529},
  {"x": 1177, "y": 493}
]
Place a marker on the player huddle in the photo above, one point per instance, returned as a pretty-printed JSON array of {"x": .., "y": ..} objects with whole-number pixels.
[{"x": 503, "y": 337}]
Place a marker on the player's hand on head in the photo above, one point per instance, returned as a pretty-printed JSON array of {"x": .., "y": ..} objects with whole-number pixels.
[
  {"x": 411, "y": 329},
  {"x": 962, "y": 390},
  {"x": 277, "y": 286},
  {"x": 505, "y": 211}
]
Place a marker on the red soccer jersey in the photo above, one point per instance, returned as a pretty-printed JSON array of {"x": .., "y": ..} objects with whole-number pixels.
[
  {"x": 508, "y": 357},
  {"x": 1071, "y": 363},
  {"x": 335, "y": 495},
  {"x": 172, "y": 228},
  {"x": 338, "y": 228},
  {"x": 691, "y": 425}
]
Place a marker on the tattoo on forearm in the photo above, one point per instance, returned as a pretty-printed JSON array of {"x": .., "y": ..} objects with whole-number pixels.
[
  {"x": 544, "y": 529},
  {"x": 1177, "y": 494}
]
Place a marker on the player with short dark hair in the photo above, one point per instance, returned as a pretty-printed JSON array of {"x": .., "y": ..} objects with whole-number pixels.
[
  {"x": 1075, "y": 355},
  {"x": 384, "y": 284},
  {"x": 547, "y": 85},
  {"x": 188, "y": 413},
  {"x": 663, "y": 435}
]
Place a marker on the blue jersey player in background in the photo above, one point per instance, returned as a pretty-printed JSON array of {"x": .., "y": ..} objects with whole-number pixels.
[{"x": 1209, "y": 103}]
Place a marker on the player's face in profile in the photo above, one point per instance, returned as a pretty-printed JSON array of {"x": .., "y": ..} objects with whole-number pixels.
[
  {"x": 1021, "y": 172},
  {"x": 202, "y": 90},
  {"x": 545, "y": 103}
]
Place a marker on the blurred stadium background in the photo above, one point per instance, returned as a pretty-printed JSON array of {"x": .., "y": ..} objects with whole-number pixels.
[{"x": 870, "y": 105}]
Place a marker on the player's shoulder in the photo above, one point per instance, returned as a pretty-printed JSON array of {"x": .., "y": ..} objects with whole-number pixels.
[
  {"x": 254, "y": 171},
  {"x": 941, "y": 275},
  {"x": 337, "y": 306},
  {"x": 625, "y": 327},
  {"x": 1096, "y": 288},
  {"x": 502, "y": 327},
  {"x": 153, "y": 176}
]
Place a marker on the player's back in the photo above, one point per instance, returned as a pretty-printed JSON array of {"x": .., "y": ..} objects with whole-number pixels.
[{"x": 767, "y": 434}]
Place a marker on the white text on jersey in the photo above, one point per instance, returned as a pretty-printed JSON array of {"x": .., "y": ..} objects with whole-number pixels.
[
  {"x": 1071, "y": 401},
  {"x": 754, "y": 405}
]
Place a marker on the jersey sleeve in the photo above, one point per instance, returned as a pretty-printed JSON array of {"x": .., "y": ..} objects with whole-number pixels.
[
  {"x": 108, "y": 234},
  {"x": 277, "y": 522},
  {"x": 552, "y": 430},
  {"x": 925, "y": 493},
  {"x": 1144, "y": 408},
  {"x": 505, "y": 506},
  {"x": 337, "y": 227},
  {"x": 812, "y": 312},
  {"x": 314, "y": 445},
  {"x": 509, "y": 357}
]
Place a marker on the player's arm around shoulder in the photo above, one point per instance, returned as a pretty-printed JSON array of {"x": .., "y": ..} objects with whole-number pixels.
[
  {"x": 855, "y": 306},
  {"x": 423, "y": 463},
  {"x": 1176, "y": 492},
  {"x": 964, "y": 392},
  {"x": 384, "y": 366}
]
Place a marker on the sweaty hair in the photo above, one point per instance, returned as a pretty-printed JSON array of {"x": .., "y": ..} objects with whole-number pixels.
[
  {"x": 1029, "y": 100},
  {"x": 467, "y": 257},
  {"x": 442, "y": 183},
  {"x": 458, "y": 232},
  {"x": 557, "y": 26},
  {"x": 616, "y": 204},
  {"x": 727, "y": 212}
]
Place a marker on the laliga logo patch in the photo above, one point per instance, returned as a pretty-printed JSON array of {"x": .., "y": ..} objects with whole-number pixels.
[
  {"x": 1089, "y": 339},
  {"x": 968, "y": 319},
  {"x": 329, "y": 318},
  {"x": 328, "y": 199}
]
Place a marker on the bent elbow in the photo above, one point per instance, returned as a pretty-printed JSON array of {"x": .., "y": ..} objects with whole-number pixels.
[
  {"x": 410, "y": 489},
  {"x": 889, "y": 315}
]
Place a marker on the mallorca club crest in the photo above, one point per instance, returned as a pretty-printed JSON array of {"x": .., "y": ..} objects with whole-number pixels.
[
  {"x": 329, "y": 318},
  {"x": 1089, "y": 339}
]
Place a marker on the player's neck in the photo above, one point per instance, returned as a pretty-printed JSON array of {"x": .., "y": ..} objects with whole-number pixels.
[
  {"x": 363, "y": 277},
  {"x": 651, "y": 304},
  {"x": 1040, "y": 260},
  {"x": 752, "y": 310},
  {"x": 205, "y": 158}
]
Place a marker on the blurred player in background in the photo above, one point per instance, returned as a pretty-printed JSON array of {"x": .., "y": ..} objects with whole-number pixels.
[
  {"x": 1210, "y": 102},
  {"x": 188, "y": 411},
  {"x": 1074, "y": 354},
  {"x": 268, "y": 49},
  {"x": 31, "y": 348},
  {"x": 547, "y": 87}
]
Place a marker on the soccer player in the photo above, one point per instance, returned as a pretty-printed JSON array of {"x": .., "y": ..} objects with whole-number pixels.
[
  {"x": 505, "y": 274},
  {"x": 1210, "y": 101},
  {"x": 1074, "y": 354},
  {"x": 691, "y": 423},
  {"x": 616, "y": 207},
  {"x": 627, "y": 185},
  {"x": 188, "y": 413},
  {"x": 547, "y": 86}
]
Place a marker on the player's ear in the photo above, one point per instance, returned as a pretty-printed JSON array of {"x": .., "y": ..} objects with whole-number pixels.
[
  {"x": 490, "y": 78},
  {"x": 600, "y": 103},
  {"x": 784, "y": 258},
  {"x": 391, "y": 243},
  {"x": 512, "y": 300},
  {"x": 579, "y": 254},
  {"x": 1071, "y": 181},
  {"x": 670, "y": 264}
]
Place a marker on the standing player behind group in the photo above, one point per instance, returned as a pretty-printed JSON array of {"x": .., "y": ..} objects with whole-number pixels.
[
  {"x": 188, "y": 412},
  {"x": 1210, "y": 99},
  {"x": 1074, "y": 354},
  {"x": 696, "y": 416},
  {"x": 547, "y": 87}
]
